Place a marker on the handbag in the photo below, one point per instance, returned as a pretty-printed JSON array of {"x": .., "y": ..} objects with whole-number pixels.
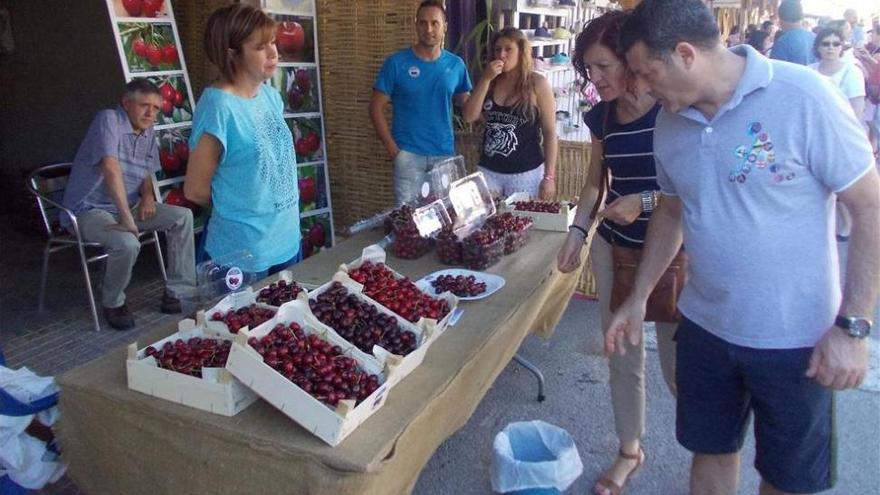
[{"x": 662, "y": 305}]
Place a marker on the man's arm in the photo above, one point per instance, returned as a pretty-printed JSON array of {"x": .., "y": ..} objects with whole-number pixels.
[
  {"x": 147, "y": 206},
  {"x": 662, "y": 242},
  {"x": 840, "y": 361},
  {"x": 377, "y": 114},
  {"x": 112, "y": 172}
]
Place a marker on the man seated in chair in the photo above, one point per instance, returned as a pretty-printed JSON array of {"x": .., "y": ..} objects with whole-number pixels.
[{"x": 110, "y": 190}]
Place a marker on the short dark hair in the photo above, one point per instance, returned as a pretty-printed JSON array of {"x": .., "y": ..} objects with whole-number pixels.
[
  {"x": 766, "y": 25},
  {"x": 438, "y": 4},
  {"x": 756, "y": 40},
  {"x": 142, "y": 86},
  {"x": 791, "y": 11},
  {"x": 603, "y": 30},
  {"x": 822, "y": 34},
  {"x": 663, "y": 24}
]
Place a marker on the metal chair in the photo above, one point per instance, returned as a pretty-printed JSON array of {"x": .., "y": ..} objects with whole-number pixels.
[{"x": 47, "y": 185}]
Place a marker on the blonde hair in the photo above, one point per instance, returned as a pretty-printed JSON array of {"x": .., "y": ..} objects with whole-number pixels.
[
  {"x": 228, "y": 28},
  {"x": 524, "y": 78}
]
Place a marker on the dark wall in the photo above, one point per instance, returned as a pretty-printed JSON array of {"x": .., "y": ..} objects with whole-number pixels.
[{"x": 64, "y": 69}]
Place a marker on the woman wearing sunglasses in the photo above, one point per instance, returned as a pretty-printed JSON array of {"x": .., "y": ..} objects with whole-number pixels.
[{"x": 843, "y": 74}]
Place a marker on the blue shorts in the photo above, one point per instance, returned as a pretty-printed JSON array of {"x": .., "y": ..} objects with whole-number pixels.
[{"x": 721, "y": 384}]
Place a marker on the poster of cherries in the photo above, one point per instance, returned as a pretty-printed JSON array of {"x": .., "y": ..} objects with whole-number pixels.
[
  {"x": 149, "y": 47},
  {"x": 176, "y": 107}
]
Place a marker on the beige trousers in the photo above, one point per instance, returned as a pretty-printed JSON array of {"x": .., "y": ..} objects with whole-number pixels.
[{"x": 627, "y": 372}]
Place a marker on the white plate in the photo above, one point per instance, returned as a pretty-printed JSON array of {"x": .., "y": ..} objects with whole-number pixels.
[{"x": 493, "y": 282}]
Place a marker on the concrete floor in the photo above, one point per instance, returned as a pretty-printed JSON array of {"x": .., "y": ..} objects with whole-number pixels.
[{"x": 576, "y": 378}]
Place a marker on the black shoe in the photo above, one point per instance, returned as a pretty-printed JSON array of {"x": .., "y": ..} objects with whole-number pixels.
[
  {"x": 119, "y": 318},
  {"x": 170, "y": 304}
]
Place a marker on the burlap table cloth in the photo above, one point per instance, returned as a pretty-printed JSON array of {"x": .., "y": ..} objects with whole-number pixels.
[{"x": 118, "y": 441}]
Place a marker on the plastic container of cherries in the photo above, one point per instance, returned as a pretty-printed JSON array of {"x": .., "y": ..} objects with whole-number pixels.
[{"x": 482, "y": 249}]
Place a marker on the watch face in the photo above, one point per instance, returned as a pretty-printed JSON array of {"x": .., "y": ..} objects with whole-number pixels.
[{"x": 859, "y": 327}]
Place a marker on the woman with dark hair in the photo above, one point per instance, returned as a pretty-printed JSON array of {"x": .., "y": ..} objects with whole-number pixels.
[
  {"x": 517, "y": 104},
  {"x": 242, "y": 163},
  {"x": 845, "y": 76},
  {"x": 621, "y": 127},
  {"x": 761, "y": 41}
]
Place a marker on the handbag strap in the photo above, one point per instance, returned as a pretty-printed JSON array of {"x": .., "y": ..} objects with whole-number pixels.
[{"x": 603, "y": 181}]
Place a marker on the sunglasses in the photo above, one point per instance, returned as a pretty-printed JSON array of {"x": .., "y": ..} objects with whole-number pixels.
[{"x": 835, "y": 44}]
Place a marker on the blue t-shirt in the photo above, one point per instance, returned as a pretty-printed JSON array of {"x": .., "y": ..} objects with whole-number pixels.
[
  {"x": 110, "y": 135},
  {"x": 421, "y": 92},
  {"x": 254, "y": 189},
  {"x": 795, "y": 46},
  {"x": 629, "y": 154}
]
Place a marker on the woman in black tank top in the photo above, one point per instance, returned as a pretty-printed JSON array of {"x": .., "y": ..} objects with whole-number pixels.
[{"x": 519, "y": 143}]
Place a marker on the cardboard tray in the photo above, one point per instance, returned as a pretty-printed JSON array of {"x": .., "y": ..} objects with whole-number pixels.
[
  {"x": 557, "y": 222},
  {"x": 217, "y": 391},
  {"x": 330, "y": 425}
]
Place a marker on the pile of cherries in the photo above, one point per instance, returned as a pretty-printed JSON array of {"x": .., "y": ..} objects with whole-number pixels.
[
  {"x": 514, "y": 228},
  {"x": 538, "y": 206},
  {"x": 398, "y": 294},
  {"x": 361, "y": 323},
  {"x": 316, "y": 366},
  {"x": 460, "y": 285},
  {"x": 408, "y": 243},
  {"x": 278, "y": 293},
  {"x": 189, "y": 357},
  {"x": 247, "y": 316},
  {"x": 449, "y": 247},
  {"x": 482, "y": 249}
]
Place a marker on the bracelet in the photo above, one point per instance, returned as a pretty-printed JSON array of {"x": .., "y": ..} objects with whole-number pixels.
[
  {"x": 579, "y": 229},
  {"x": 549, "y": 177}
]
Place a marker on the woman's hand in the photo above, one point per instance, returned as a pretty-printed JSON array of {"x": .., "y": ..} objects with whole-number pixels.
[
  {"x": 547, "y": 190},
  {"x": 623, "y": 210},
  {"x": 569, "y": 257},
  {"x": 493, "y": 70}
]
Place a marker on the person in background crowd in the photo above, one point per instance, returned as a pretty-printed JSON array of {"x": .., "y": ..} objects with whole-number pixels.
[
  {"x": 242, "y": 163},
  {"x": 110, "y": 190},
  {"x": 858, "y": 38},
  {"x": 796, "y": 43},
  {"x": 869, "y": 57},
  {"x": 761, "y": 41},
  {"x": 420, "y": 83},
  {"x": 750, "y": 155},
  {"x": 622, "y": 125},
  {"x": 735, "y": 37},
  {"x": 519, "y": 143},
  {"x": 845, "y": 76},
  {"x": 845, "y": 30},
  {"x": 770, "y": 28}
]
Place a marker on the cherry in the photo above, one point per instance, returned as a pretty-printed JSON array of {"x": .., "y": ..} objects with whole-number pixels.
[
  {"x": 153, "y": 54},
  {"x": 169, "y": 54},
  {"x": 307, "y": 189},
  {"x": 449, "y": 247},
  {"x": 460, "y": 285},
  {"x": 302, "y": 80},
  {"x": 139, "y": 46},
  {"x": 361, "y": 323},
  {"x": 152, "y": 7},
  {"x": 179, "y": 98},
  {"x": 482, "y": 249},
  {"x": 315, "y": 365},
  {"x": 538, "y": 206},
  {"x": 191, "y": 356},
  {"x": 168, "y": 91},
  {"x": 248, "y": 316},
  {"x": 400, "y": 295},
  {"x": 133, "y": 7},
  {"x": 278, "y": 293}
]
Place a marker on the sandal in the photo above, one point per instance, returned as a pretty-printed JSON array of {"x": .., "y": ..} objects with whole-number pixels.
[{"x": 612, "y": 487}]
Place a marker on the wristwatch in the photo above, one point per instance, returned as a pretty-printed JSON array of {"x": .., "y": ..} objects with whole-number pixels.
[
  {"x": 649, "y": 201},
  {"x": 854, "y": 326}
]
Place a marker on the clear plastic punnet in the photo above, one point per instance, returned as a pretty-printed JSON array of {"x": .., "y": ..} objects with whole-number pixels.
[
  {"x": 472, "y": 203},
  {"x": 223, "y": 275},
  {"x": 431, "y": 218}
]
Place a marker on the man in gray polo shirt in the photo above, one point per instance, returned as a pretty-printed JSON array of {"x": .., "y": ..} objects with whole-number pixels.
[
  {"x": 751, "y": 154},
  {"x": 110, "y": 190}
]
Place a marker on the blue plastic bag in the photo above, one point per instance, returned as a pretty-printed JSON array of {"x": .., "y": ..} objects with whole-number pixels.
[{"x": 532, "y": 455}]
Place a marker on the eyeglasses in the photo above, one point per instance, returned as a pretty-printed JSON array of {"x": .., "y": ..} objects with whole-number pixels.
[{"x": 828, "y": 44}]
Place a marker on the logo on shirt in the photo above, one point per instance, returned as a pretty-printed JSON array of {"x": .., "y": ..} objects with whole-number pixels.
[
  {"x": 500, "y": 139},
  {"x": 488, "y": 105},
  {"x": 759, "y": 155},
  {"x": 414, "y": 71}
]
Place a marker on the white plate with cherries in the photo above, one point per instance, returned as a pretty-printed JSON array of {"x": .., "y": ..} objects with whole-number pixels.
[{"x": 468, "y": 285}]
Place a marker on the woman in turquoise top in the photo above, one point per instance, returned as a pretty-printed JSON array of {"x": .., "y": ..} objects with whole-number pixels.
[{"x": 243, "y": 164}]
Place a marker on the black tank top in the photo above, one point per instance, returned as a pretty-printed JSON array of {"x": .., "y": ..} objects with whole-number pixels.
[{"x": 511, "y": 144}]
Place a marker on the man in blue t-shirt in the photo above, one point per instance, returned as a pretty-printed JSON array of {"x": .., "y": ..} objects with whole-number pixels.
[
  {"x": 110, "y": 190},
  {"x": 795, "y": 45},
  {"x": 420, "y": 83}
]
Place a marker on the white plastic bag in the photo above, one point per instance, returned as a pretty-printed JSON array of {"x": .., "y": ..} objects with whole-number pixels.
[{"x": 534, "y": 454}]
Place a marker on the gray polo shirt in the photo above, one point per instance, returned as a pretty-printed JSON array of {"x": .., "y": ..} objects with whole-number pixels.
[
  {"x": 757, "y": 185},
  {"x": 110, "y": 134}
]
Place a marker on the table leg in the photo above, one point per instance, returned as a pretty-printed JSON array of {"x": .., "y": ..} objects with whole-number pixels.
[{"x": 535, "y": 371}]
